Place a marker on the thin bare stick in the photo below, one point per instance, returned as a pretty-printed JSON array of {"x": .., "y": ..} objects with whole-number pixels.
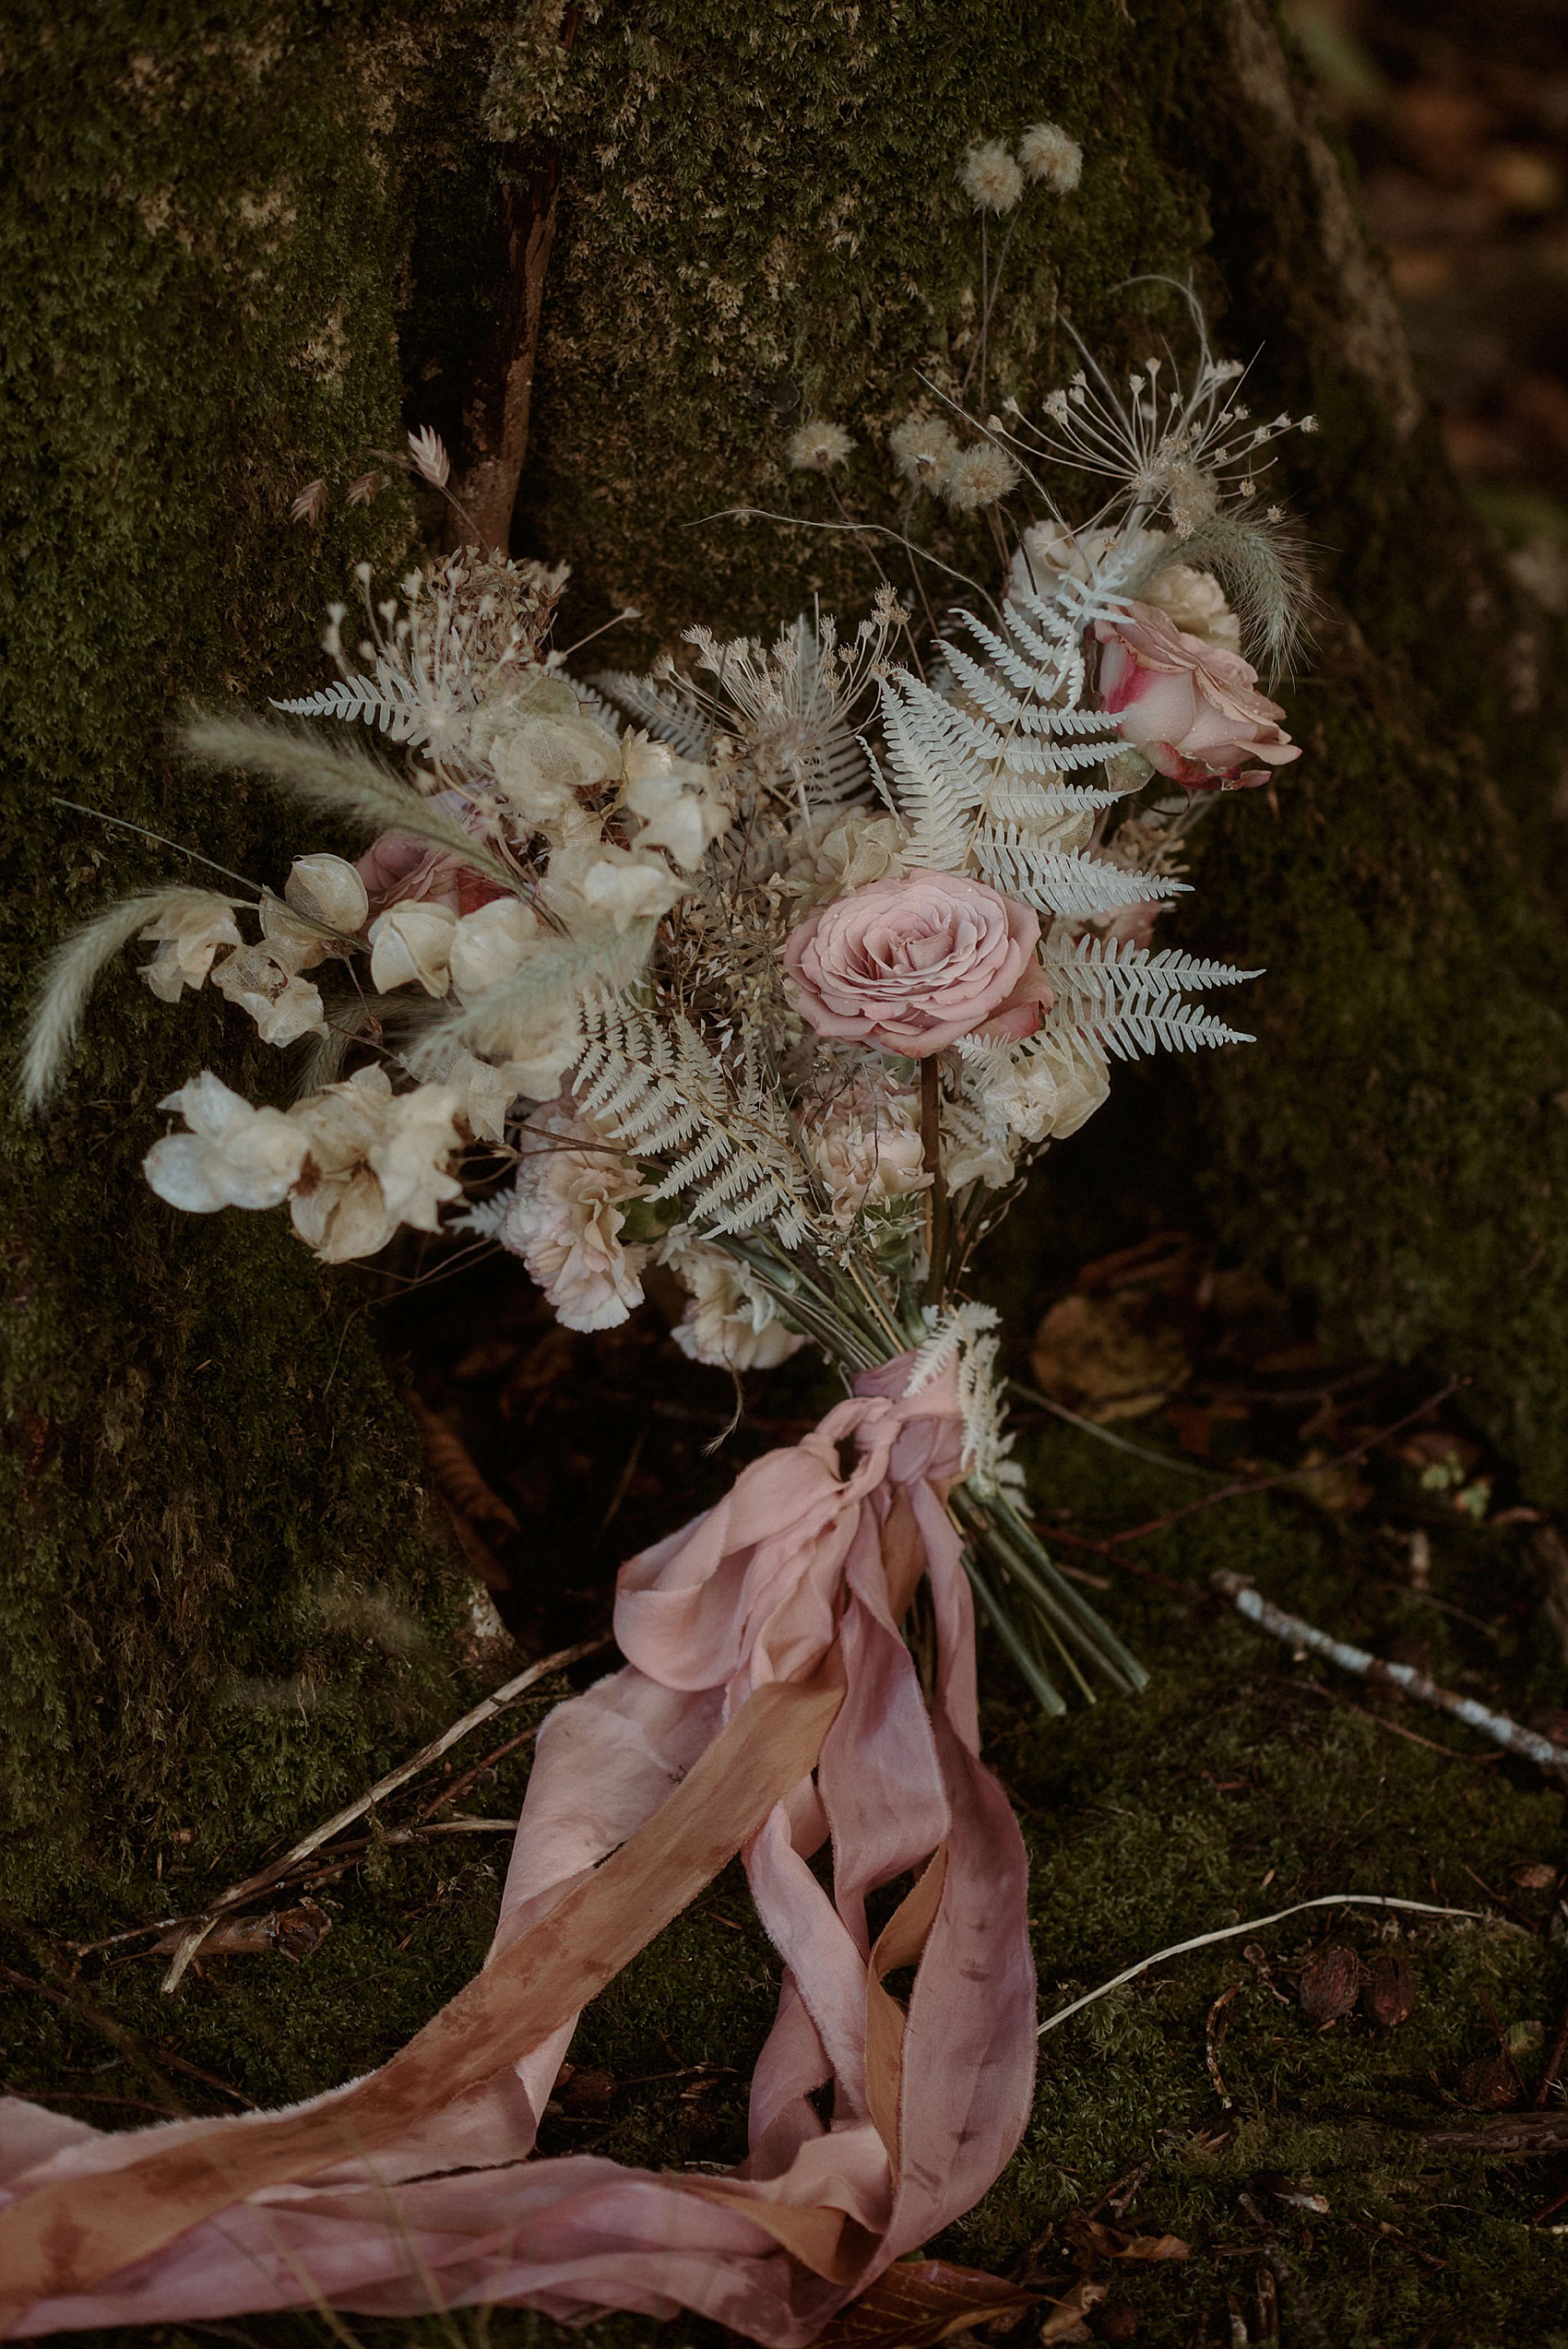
[
  {"x": 1253, "y": 1925},
  {"x": 1297, "y": 1633},
  {"x": 936, "y": 1195},
  {"x": 1288, "y": 1475},
  {"x": 267, "y": 1876}
]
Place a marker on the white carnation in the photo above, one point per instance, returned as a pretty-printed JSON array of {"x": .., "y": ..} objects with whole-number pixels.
[
  {"x": 866, "y": 1148},
  {"x": 565, "y": 1222}
]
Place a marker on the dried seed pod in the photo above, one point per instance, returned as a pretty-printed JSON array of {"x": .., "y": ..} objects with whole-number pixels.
[
  {"x": 1329, "y": 1983},
  {"x": 1491, "y": 2084},
  {"x": 1388, "y": 1992}
]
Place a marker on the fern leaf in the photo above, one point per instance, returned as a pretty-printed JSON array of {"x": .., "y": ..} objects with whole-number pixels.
[{"x": 1057, "y": 880}]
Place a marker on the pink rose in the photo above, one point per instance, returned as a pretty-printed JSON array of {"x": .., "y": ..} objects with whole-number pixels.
[
  {"x": 1187, "y": 704},
  {"x": 911, "y": 965},
  {"x": 400, "y": 867}
]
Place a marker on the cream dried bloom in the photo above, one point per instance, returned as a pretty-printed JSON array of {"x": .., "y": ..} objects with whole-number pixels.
[
  {"x": 412, "y": 941},
  {"x": 679, "y": 802},
  {"x": 865, "y": 1144},
  {"x": 814, "y": 447},
  {"x": 491, "y": 945},
  {"x": 1047, "y": 153},
  {"x": 565, "y": 1221},
  {"x": 543, "y": 756},
  {"x": 376, "y": 1159},
  {"x": 923, "y": 447},
  {"x": 187, "y": 941},
  {"x": 993, "y": 180},
  {"x": 233, "y": 1156},
  {"x": 410, "y": 1157},
  {"x": 978, "y": 476},
  {"x": 615, "y": 884},
  {"x": 1195, "y": 603},
  {"x": 1046, "y": 1090},
  {"x": 730, "y": 1322},
  {"x": 262, "y": 981}
]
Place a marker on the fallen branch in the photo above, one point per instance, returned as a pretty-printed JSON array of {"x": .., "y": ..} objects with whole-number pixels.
[
  {"x": 263, "y": 1880},
  {"x": 1505, "y": 2133},
  {"x": 1404, "y": 1677},
  {"x": 1253, "y": 1925}
]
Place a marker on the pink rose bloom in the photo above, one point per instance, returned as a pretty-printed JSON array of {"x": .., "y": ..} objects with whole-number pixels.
[
  {"x": 1187, "y": 704},
  {"x": 911, "y": 965},
  {"x": 400, "y": 867}
]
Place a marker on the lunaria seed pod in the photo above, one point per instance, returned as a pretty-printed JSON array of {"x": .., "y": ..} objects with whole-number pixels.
[
  {"x": 1329, "y": 1983},
  {"x": 1388, "y": 1989}
]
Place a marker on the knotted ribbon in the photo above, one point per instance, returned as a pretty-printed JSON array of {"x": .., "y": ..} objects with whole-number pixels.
[{"x": 769, "y": 1705}]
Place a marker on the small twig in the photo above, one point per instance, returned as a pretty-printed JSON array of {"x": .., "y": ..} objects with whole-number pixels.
[
  {"x": 1253, "y": 1925},
  {"x": 1288, "y": 1475},
  {"x": 1103, "y": 1435},
  {"x": 265, "y": 1877},
  {"x": 1395, "y": 1729},
  {"x": 1553, "y": 2064},
  {"x": 936, "y": 1195},
  {"x": 1296, "y": 1632}
]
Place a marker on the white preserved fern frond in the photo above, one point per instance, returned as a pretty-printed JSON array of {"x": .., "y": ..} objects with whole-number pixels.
[
  {"x": 659, "y": 711},
  {"x": 1058, "y": 881},
  {"x": 656, "y": 1091},
  {"x": 1128, "y": 1000},
  {"x": 936, "y": 784},
  {"x": 391, "y": 702}
]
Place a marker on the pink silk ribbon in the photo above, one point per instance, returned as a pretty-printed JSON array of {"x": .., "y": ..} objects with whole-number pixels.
[{"x": 391, "y": 2198}]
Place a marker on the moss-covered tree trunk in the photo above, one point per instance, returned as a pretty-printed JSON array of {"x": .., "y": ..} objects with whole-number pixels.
[{"x": 242, "y": 252}]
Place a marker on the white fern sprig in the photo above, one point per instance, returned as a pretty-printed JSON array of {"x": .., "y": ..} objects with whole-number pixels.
[
  {"x": 658, "y": 710},
  {"x": 660, "y": 1094},
  {"x": 1127, "y": 1000},
  {"x": 1059, "y": 881}
]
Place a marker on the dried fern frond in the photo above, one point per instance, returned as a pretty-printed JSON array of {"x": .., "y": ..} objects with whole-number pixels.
[
  {"x": 563, "y": 970},
  {"x": 1127, "y": 1000},
  {"x": 72, "y": 971},
  {"x": 338, "y": 778}
]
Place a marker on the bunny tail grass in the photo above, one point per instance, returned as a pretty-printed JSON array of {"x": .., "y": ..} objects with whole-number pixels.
[
  {"x": 1263, "y": 569},
  {"x": 337, "y": 779},
  {"x": 72, "y": 972}
]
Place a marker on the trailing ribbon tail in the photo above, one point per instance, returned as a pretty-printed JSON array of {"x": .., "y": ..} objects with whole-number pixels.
[{"x": 768, "y": 1704}]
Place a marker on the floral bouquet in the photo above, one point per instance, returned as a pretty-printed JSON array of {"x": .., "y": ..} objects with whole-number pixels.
[{"x": 778, "y": 970}]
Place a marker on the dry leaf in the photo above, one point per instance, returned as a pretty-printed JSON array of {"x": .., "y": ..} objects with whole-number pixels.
[
  {"x": 1066, "y": 2321},
  {"x": 1092, "y": 2240},
  {"x": 918, "y": 2302},
  {"x": 1389, "y": 1991},
  {"x": 1329, "y": 1983},
  {"x": 458, "y": 1479},
  {"x": 1108, "y": 1357}
]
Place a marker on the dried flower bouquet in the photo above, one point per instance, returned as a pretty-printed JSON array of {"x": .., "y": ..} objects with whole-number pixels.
[{"x": 779, "y": 969}]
